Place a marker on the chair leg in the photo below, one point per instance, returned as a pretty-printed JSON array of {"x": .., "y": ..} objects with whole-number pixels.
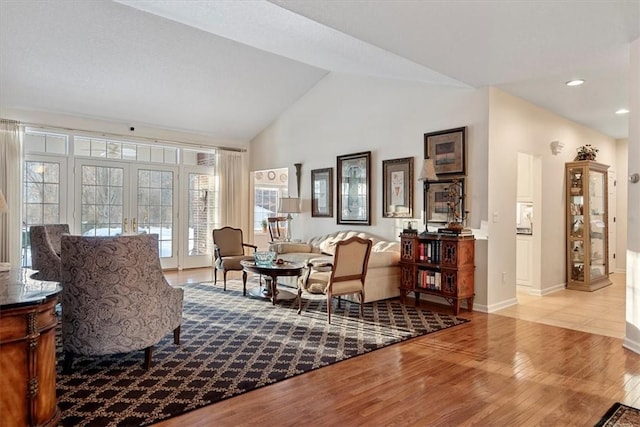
[
  {"x": 148, "y": 354},
  {"x": 244, "y": 283},
  {"x": 215, "y": 275},
  {"x": 361, "y": 304},
  {"x": 176, "y": 335},
  {"x": 68, "y": 363},
  {"x": 224, "y": 276},
  {"x": 299, "y": 300},
  {"x": 329, "y": 308}
]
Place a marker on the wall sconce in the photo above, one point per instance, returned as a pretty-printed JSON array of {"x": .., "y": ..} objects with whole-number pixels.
[{"x": 556, "y": 147}]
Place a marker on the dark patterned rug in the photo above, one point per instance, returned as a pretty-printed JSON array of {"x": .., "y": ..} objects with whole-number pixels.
[
  {"x": 620, "y": 415},
  {"x": 230, "y": 344}
]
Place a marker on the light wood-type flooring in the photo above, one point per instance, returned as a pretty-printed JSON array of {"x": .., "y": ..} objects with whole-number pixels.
[{"x": 506, "y": 369}]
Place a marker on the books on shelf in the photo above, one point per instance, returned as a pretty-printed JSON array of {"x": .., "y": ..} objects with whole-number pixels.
[
  {"x": 430, "y": 251},
  {"x": 428, "y": 279}
]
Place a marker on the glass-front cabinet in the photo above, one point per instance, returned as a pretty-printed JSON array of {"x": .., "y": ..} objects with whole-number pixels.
[{"x": 587, "y": 245}]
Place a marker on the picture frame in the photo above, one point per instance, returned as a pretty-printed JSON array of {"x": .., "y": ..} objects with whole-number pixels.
[
  {"x": 397, "y": 188},
  {"x": 447, "y": 149},
  {"x": 437, "y": 196},
  {"x": 354, "y": 188},
  {"x": 322, "y": 193}
]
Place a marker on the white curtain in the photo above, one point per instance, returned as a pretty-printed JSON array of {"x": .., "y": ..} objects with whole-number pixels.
[
  {"x": 233, "y": 192},
  {"x": 10, "y": 184}
]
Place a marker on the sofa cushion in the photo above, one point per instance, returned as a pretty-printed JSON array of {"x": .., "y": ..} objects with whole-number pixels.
[{"x": 287, "y": 247}]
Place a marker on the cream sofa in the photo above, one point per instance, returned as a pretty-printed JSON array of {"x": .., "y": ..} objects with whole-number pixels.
[{"x": 383, "y": 272}]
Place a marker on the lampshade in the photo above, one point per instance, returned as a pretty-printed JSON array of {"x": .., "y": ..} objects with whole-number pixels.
[
  {"x": 3, "y": 204},
  {"x": 428, "y": 172},
  {"x": 289, "y": 205}
]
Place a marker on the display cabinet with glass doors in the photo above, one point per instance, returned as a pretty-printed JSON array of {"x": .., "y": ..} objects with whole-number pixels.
[{"x": 587, "y": 225}]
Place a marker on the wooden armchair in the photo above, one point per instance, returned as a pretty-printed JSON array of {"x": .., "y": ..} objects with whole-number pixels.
[
  {"x": 342, "y": 277},
  {"x": 276, "y": 228},
  {"x": 228, "y": 251}
]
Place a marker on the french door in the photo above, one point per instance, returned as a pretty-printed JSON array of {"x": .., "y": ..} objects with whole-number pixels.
[{"x": 117, "y": 198}]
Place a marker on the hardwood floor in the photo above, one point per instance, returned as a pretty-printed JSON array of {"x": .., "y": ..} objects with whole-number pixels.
[{"x": 497, "y": 370}]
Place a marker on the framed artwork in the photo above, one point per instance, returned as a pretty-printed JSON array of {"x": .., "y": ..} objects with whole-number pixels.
[
  {"x": 322, "y": 192},
  {"x": 446, "y": 148},
  {"x": 444, "y": 197},
  {"x": 354, "y": 189},
  {"x": 397, "y": 185}
]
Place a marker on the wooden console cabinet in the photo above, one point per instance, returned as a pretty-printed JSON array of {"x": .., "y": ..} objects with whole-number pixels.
[
  {"x": 27, "y": 350},
  {"x": 438, "y": 264}
]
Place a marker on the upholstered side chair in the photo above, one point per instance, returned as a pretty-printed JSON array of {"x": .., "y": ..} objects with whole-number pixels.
[
  {"x": 115, "y": 298},
  {"x": 45, "y": 250},
  {"x": 344, "y": 276},
  {"x": 228, "y": 251}
]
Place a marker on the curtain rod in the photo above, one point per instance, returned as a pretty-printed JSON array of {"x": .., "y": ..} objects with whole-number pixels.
[{"x": 116, "y": 135}]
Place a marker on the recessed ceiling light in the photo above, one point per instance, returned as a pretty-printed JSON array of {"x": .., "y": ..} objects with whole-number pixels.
[
  {"x": 622, "y": 111},
  {"x": 575, "y": 82}
]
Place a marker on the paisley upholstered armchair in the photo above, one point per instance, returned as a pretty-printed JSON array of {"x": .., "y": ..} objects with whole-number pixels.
[
  {"x": 115, "y": 298},
  {"x": 45, "y": 249}
]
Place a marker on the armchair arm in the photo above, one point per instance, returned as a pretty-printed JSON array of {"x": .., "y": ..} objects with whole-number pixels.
[{"x": 248, "y": 245}]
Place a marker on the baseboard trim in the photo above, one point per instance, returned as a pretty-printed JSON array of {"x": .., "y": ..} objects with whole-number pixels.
[
  {"x": 631, "y": 345},
  {"x": 502, "y": 304}
]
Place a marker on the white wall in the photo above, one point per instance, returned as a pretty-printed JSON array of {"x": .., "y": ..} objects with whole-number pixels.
[
  {"x": 94, "y": 125},
  {"x": 516, "y": 126},
  {"x": 346, "y": 114},
  {"x": 632, "y": 336},
  {"x": 622, "y": 154}
]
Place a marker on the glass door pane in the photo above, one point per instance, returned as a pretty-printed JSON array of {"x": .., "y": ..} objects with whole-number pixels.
[
  {"x": 155, "y": 207},
  {"x": 200, "y": 217},
  {"x": 598, "y": 226},
  {"x": 102, "y": 210}
]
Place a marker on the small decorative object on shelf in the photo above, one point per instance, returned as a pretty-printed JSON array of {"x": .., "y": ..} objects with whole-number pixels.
[
  {"x": 586, "y": 152},
  {"x": 410, "y": 230},
  {"x": 455, "y": 198}
]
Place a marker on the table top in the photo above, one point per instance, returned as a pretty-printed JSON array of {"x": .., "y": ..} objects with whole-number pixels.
[
  {"x": 17, "y": 288},
  {"x": 273, "y": 267}
]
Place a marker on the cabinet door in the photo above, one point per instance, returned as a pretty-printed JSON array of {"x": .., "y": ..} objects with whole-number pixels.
[
  {"x": 598, "y": 225},
  {"x": 576, "y": 223},
  {"x": 449, "y": 253},
  {"x": 407, "y": 276}
]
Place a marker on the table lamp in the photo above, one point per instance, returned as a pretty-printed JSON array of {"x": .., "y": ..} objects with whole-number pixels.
[{"x": 289, "y": 205}]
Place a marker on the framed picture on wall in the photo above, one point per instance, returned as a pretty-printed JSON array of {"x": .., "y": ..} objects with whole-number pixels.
[
  {"x": 446, "y": 148},
  {"x": 354, "y": 188},
  {"x": 444, "y": 198},
  {"x": 322, "y": 192},
  {"x": 397, "y": 188}
]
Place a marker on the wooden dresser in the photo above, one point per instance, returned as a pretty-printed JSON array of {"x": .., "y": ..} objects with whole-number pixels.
[{"x": 27, "y": 350}]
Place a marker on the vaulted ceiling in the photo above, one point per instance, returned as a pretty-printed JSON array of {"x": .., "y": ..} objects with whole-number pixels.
[{"x": 229, "y": 68}]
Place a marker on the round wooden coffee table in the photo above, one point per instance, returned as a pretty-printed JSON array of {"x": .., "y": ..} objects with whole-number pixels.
[{"x": 273, "y": 271}]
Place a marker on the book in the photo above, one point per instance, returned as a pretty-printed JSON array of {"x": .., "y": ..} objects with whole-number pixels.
[{"x": 464, "y": 231}]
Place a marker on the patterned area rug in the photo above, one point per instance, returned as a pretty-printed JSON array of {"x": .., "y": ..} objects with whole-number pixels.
[
  {"x": 620, "y": 415},
  {"x": 230, "y": 344}
]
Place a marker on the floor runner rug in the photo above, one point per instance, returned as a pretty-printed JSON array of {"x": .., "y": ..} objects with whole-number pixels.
[
  {"x": 620, "y": 415},
  {"x": 229, "y": 345}
]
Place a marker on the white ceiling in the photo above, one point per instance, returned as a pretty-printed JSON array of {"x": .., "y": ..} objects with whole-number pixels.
[{"x": 229, "y": 68}]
